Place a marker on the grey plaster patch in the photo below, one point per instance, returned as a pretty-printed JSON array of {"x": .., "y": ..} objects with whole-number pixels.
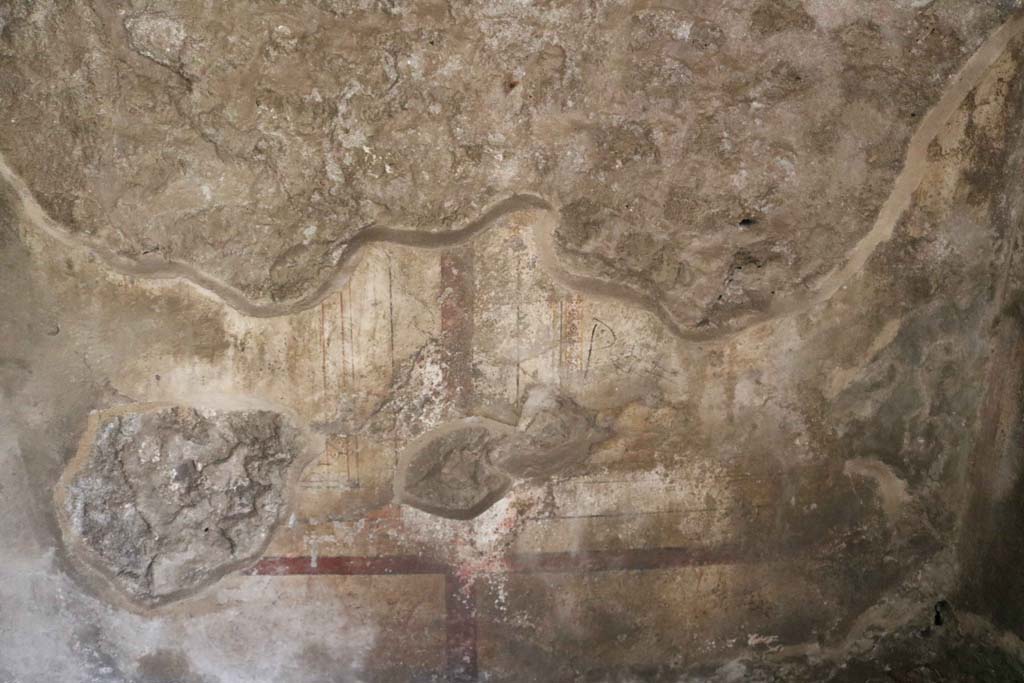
[
  {"x": 463, "y": 467},
  {"x": 161, "y": 500}
]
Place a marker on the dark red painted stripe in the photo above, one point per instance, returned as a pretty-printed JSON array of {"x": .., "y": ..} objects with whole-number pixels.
[
  {"x": 618, "y": 560},
  {"x": 460, "y": 628},
  {"x": 460, "y": 598},
  {"x": 347, "y": 566}
]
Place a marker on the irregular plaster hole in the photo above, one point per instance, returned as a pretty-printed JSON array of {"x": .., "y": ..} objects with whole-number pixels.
[
  {"x": 448, "y": 473},
  {"x": 162, "y": 500},
  {"x": 462, "y": 468},
  {"x": 554, "y": 434},
  {"x": 747, "y": 222}
]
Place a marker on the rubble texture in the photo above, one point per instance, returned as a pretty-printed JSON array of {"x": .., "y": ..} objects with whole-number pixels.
[
  {"x": 451, "y": 474},
  {"x": 462, "y": 468},
  {"x": 690, "y": 153},
  {"x": 627, "y": 341},
  {"x": 167, "y": 499}
]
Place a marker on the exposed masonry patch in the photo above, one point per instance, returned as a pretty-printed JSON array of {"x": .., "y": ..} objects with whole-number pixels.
[
  {"x": 463, "y": 467},
  {"x": 162, "y": 500},
  {"x": 159, "y": 39},
  {"x": 450, "y": 473}
]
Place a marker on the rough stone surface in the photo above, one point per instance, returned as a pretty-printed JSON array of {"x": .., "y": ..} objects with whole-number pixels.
[
  {"x": 628, "y": 341},
  {"x": 720, "y": 173},
  {"x": 554, "y": 434},
  {"x": 163, "y": 500},
  {"x": 451, "y": 474},
  {"x": 463, "y": 468}
]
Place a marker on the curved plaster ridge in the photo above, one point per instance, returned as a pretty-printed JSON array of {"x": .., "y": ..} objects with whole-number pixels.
[
  {"x": 898, "y": 201},
  {"x": 915, "y": 164}
]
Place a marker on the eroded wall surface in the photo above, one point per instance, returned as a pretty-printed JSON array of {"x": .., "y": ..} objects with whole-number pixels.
[{"x": 511, "y": 341}]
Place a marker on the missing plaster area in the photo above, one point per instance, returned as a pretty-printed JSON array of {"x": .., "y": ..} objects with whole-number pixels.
[
  {"x": 462, "y": 468},
  {"x": 163, "y": 500}
]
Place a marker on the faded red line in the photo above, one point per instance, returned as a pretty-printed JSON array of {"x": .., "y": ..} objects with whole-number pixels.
[
  {"x": 459, "y": 589},
  {"x": 323, "y": 346},
  {"x": 341, "y": 328},
  {"x": 346, "y": 566},
  {"x": 642, "y": 559},
  {"x": 460, "y": 628}
]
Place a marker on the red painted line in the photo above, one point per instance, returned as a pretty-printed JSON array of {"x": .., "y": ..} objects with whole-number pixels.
[
  {"x": 459, "y": 598},
  {"x": 459, "y": 591},
  {"x": 346, "y": 566},
  {"x": 460, "y": 628},
  {"x": 323, "y": 345},
  {"x": 341, "y": 346},
  {"x": 642, "y": 559}
]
